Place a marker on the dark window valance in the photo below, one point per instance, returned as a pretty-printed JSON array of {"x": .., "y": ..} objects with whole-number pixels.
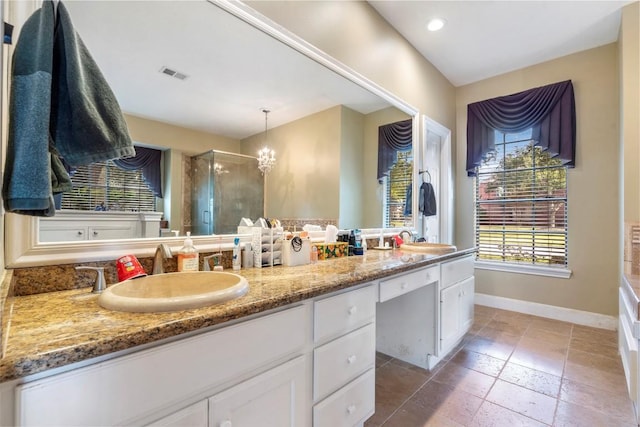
[
  {"x": 549, "y": 110},
  {"x": 149, "y": 160},
  {"x": 392, "y": 138}
]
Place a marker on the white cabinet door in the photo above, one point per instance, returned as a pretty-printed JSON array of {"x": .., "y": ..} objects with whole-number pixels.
[
  {"x": 467, "y": 290},
  {"x": 192, "y": 416},
  {"x": 449, "y": 316},
  {"x": 456, "y": 312},
  {"x": 279, "y": 397}
]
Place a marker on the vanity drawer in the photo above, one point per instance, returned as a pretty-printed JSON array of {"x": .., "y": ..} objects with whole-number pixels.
[
  {"x": 343, "y": 359},
  {"x": 342, "y": 313},
  {"x": 350, "y": 405},
  {"x": 408, "y": 282},
  {"x": 456, "y": 270}
]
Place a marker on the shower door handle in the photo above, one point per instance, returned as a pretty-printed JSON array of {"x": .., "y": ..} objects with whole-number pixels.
[{"x": 205, "y": 217}]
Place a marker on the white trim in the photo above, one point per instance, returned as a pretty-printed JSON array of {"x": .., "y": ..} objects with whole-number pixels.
[
  {"x": 538, "y": 270},
  {"x": 578, "y": 317}
]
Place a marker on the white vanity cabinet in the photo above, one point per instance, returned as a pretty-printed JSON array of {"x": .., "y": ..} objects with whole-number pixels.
[
  {"x": 249, "y": 360},
  {"x": 629, "y": 340},
  {"x": 70, "y": 225},
  {"x": 456, "y": 301},
  {"x": 344, "y": 358}
]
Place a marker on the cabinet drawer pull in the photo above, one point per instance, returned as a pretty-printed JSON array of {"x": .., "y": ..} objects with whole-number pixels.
[
  {"x": 351, "y": 409},
  {"x": 226, "y": 423},
  {"x": 353, "y": 309},
  {"x": 351, "y": 359},
  {"x": 79, "y": 233}
]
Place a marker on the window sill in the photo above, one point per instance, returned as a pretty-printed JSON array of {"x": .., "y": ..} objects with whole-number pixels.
[{"x": 538, "y": 270}]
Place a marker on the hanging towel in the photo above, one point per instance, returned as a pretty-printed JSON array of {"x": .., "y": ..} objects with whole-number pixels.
[
  {"x": 60, "y": 106},
  {"x": 427, "y": 202},
  {"x": 407, "y": 200}
]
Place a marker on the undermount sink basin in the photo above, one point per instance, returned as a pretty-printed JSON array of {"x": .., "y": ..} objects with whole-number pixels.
[
  {"x": 428, "y": 248},
  {"x": 173, "y": 291}
]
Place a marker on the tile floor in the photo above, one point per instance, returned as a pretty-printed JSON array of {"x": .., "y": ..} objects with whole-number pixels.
[{"x": 511, "y": 369}]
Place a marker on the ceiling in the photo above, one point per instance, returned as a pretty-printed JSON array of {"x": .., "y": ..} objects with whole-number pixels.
[
  {"x": 234, "y": 70},
  {"x": 482, "y": 39}
]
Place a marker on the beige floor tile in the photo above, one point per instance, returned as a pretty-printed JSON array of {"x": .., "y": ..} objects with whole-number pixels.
[
  {"x": 532, "y": 379},
  {"x": 572, "y": 415},
  {"x": 602, "y": 336},
  {"x": 540, "y": 359},
  {"x": 492, "y": 415},
  {"x": 394, "y": 385},
  {"x": 523, "y": 401},
  {"x": 556, "y": 326},
  {"x": 614, "y": 404},
  {"x": 478, "y": 362},
  {"x": 460, "y": 378},
  {"x": 381, "y": 359},
  {"x": 549, "y": 338},
  {"x": 448, "y": 402},
  {"x": 484, "y": 310},
  {"x": 513, "y": 326},
  {"x": 595, "y": 347},
  {"x": 414, "y": 415},
  {"x": 612, "y": 365},
  {"x": 498, "y": 349},
  {"x": 607, "y": 382}
]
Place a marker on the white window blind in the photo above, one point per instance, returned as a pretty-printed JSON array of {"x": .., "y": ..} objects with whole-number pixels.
[
  {"x": 104, "y": 186},
  {"x": 521, "y": 204},
  {"x": 397, "y": 184}
]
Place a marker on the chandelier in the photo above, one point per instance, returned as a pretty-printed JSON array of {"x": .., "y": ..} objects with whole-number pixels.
[{"x": 266, "y": 157}]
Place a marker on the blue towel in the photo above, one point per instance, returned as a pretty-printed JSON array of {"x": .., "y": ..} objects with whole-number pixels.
[
  {"x": 427, "y": 199},
  {"x": 60, "y": 109}
]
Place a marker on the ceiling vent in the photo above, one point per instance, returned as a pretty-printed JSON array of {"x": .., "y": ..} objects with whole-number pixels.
[{"x": 173, "y": 73}]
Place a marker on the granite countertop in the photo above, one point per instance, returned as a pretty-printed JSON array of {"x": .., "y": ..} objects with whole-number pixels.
[{"x": 54, "y": 329}]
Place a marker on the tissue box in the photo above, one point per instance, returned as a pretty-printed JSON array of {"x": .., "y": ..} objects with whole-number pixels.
[{"x": 332, "y": 250}]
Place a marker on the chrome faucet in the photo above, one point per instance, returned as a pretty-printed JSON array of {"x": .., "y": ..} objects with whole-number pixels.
[
  {"x": 162, "y": 252},
  {"x": 100, "y": 284},
  {"x": 409, "y": 233}
]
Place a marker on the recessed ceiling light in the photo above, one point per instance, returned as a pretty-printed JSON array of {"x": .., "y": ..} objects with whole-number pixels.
[{"x": 435, "y": 24}]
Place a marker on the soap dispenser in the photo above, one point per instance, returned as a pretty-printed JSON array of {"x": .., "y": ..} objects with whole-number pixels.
[{"x": 188, "y": 256}]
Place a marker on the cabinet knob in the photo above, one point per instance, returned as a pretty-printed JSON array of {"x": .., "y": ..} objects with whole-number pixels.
[
  {"x": 95, "y": 233},
  {"x": 79, "y": 233},
  {"x": 351, "y": 359},
  {"x": 226, "y": 423},
  {"x": 353, "y": 309},
  {"x": 351, "y": 409}
]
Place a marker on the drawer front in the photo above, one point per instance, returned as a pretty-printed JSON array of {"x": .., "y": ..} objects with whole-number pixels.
[
  {"x": 118, "y": 391},
  {"x": 408, "y": 282},
  {"x": 342, "y": 313},
  {"x": 343, "y": 359},
  {"x": 350, "y": 405},
  {"x": 456, "y": 270}
]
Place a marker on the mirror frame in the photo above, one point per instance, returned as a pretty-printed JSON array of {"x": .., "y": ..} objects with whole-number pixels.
[{"x": 22, "y": 248}]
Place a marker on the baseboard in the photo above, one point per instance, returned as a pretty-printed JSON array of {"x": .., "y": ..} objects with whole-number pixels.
[{"x": 578, "y": 317}]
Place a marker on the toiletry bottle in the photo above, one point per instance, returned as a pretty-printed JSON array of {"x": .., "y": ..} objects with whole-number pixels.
[
  {"x": 236, "y": 253},
  {"x": 188, "y": 256},
  {"x": 247, "y": 256}
]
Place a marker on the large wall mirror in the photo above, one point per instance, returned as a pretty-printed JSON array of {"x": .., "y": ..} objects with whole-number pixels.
[{"x": 323, "y": 120}]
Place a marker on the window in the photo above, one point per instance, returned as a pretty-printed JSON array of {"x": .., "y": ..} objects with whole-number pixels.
[
  {"x": 397, "y": 185},
  {"x": 521, "y": 204},
  {"x": 104, "y": 186}
]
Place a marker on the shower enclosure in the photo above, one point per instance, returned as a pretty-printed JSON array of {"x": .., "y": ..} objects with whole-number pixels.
[{"x": 225, "y": 188}]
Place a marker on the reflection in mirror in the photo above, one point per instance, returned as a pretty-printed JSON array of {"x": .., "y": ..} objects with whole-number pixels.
[
  {"x": 225, "y": 187},
  {"x": 324, "y": 134}
]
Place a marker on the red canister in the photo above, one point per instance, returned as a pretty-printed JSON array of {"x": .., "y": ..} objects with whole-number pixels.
[{"x": 128, "y": 267}]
